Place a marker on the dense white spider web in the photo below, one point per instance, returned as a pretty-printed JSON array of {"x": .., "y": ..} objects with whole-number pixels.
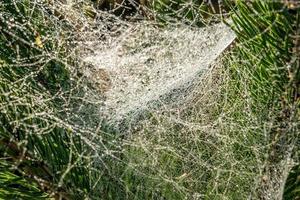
[
  {"x": 161, "y": 88},
  {"x": 146, "y": 63}
]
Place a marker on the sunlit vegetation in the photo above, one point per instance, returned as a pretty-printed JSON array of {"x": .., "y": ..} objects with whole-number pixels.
[{"x": 238, "y": 138}]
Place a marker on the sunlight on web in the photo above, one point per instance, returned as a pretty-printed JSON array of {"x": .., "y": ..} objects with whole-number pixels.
[
  {"x": 189, "y": 139},
  {"x": 145, "y": 62}
]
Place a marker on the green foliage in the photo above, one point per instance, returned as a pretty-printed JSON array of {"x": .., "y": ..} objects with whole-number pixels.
[
  {"x": 292, "y": 189},
  {"x": 13, "y": 186},
  {"x": 195, "y": 12},
  {"x": 264, "y": 31},
  {"x": 247, "y": 122},
  {"x": 38, "y": 93},
  {"x": 245, "y": 126},
  {"x": 269, "y": 64}
]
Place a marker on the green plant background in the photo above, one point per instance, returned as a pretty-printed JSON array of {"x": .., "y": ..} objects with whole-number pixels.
[{"x": 242, "y": 126}]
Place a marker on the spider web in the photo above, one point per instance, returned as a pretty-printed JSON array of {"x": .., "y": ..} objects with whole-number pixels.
[{"x": 135, "y": 108}]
